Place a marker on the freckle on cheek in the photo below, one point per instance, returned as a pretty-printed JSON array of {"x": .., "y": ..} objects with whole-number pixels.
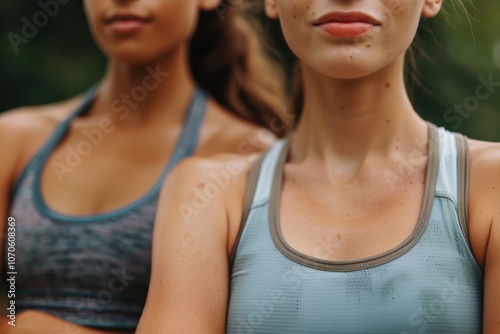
[{"x": 395, "y": 6}]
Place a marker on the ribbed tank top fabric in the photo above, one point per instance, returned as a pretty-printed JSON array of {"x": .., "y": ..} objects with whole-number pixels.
[
  {"x": 430, "y": 283},
  {"x": 89, "y": 270}
]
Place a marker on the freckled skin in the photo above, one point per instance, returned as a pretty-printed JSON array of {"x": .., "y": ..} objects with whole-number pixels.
[{"x": 314, "y": 48}]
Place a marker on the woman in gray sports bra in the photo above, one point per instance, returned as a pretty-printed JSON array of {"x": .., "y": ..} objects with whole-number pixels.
[
  {"x": 80, "y": 179},
  {"x": 367, "y": 219}
]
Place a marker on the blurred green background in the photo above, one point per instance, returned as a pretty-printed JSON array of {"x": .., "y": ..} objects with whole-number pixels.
[{"x": 61, "y": 60}]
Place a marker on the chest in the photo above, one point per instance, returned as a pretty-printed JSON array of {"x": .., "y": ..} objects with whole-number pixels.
[
  {"x": 91, "y": 172},
  {"x": 348, "y": 221}
]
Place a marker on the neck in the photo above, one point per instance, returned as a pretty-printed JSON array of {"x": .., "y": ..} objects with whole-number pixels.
[
  {"x": 158, "y": 90},
  {"x": 352, "y": 119}
]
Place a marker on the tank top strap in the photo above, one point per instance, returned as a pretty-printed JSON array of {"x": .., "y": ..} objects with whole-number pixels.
[
  {"x": 447, "y": 182},
  {"x": 188, "y": 140},
  {"x": 186, "y": 144},
  {"x": 60, "y": 131},
  {"x": 268, "y": 168},
  {"x": 453, "y": 174},
  {"x": 55, "y": 137},
  {"x": 260, "y": 184}
]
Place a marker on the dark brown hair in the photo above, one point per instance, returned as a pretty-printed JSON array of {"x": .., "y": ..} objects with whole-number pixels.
[{"x": 228, "y": 61}]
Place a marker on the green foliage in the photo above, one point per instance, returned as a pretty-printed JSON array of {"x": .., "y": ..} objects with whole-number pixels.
[
  {"x": 61, "y": 60},
  {"x": 461, "y": 49}
]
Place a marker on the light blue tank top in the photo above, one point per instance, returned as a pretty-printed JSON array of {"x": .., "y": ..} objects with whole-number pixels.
[
  {"x": 430, "y": 283},
  {"x": 89, "y": 270}
]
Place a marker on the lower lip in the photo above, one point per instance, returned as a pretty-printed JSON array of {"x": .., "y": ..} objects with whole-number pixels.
[
  {"x": 125, "y": 27},
  {"x": 347, "y": 29}
]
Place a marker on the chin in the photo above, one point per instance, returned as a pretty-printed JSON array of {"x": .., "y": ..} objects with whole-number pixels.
[
  {"x": 130, "y": 56},
  {"x": 346, "y": 69}
]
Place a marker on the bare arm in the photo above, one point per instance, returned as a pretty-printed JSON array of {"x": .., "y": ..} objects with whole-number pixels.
[
  {"x": 189, "y": 285},
  {"x": 6, "y": 168},
  {"x": 491, "y": 322},
  {"x": 9, "y": 151},
  {"x": 484, "y": 226}
]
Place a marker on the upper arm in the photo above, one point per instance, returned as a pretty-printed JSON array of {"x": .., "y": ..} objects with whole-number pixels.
[
  {"x": 484, "y": 226},
  {"x": 189, "y": 285},
  {"x": 492, "y": 259},
  {"x": 492, "y": 277},
  {"x": 9, "y": 151}
]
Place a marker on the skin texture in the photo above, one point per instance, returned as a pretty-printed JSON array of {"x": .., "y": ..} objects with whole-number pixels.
[
  {"x": 357, "y": 123},
  {"x": 142, "y": 139},
  {"x": 348, "y": 59}
]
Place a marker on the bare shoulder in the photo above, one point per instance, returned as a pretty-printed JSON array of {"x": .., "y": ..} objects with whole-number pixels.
[
  {"x": 217, "y": 176},
  {"x": 23, "y": 130},
  {"x": 484, "y": 222},
  {"x": 226, "y": 132},
  {"x": 29, "y": 123},
  {"x": 485, "y": 162},
  {"x": 201, "y": 187},
  {"x": 484, "y": 198},
  {"x": 485, "y": 175},
  {"x": 37, "y": 117}
]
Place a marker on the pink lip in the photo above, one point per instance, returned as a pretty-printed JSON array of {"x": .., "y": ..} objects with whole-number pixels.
[
  {"x": 346, "y": 24},
  {"x": 125, "y": 24}
]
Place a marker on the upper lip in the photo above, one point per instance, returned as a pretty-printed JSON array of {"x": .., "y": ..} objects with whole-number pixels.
[
  {"x": 346, "y": 17},
  {"x": 125, "y": 17}
]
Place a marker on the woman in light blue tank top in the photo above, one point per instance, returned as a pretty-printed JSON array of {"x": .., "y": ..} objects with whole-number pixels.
[
  {"x": 367, "y": 219},
  {"x": 80, "y": 179}
]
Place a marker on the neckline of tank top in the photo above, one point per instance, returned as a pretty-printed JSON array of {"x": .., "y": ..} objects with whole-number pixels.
[
  {"x": 368, "y": 262},
  {"x": 185, "y": 146}
]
